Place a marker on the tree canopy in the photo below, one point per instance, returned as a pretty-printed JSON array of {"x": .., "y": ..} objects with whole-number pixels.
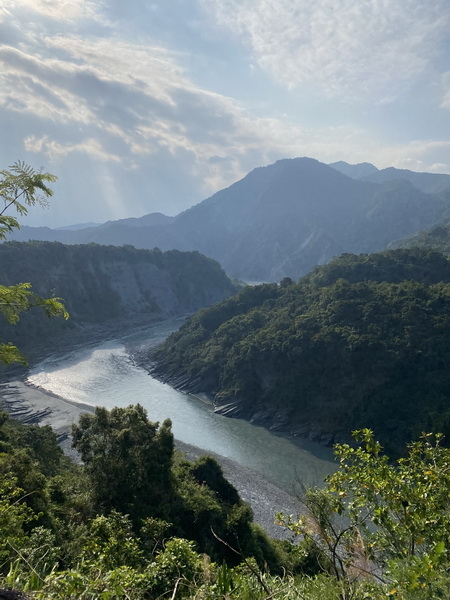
[
  {"x": 377, "y": 530},
  {"x": 128, "y": 459}
]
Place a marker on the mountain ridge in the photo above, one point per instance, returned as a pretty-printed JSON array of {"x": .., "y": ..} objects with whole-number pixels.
[
  {"x": 281, "y": 220},
  {"x": 422, "y": 180}
]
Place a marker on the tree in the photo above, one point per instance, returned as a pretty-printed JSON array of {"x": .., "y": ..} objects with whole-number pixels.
[
  {"x": 128, "y": 460},
  {"x": 21, "y": 187},
  {"x": 389, "y": 522}
]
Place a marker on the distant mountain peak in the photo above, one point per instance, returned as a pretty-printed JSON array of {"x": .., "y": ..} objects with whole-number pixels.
[
  {"x": 355, "y": 171},
  {"x": 426, "y": 182},
  {"x": 77, "y": 226}
]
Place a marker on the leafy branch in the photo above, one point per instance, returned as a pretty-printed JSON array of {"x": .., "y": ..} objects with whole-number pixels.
[{"x": 21, "y": 187}]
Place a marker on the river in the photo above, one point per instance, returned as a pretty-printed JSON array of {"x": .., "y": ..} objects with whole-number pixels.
[{"x": 104, "y": 374}]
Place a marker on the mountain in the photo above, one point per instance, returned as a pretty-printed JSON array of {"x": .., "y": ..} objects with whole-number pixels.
[
  {"x": 284, "y": 219},
  {"x": 278, "y": 221},
  {"x": 357, "y": 171},
  {"x": 107, "y": 285},
  {"x": 153, "y": 219},
  {"x": 436, "y": 238},
  {"x": 360, "y": 342},
  {"x": 426, "y": 182},
  {"x": 78, "y": 226}
]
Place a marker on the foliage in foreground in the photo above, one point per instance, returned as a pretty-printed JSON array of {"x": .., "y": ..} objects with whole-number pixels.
[
  {"x": 136, "y": 514},
  {"x": 376, "y": 530},
  {"x": 21, "y": 187},
  {"x": 384, "y": 522}
]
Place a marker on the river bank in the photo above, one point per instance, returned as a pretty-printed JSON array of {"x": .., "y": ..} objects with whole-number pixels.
[
  {"x": 275, "y": 419},
  {"x": 31, "y": 405}
]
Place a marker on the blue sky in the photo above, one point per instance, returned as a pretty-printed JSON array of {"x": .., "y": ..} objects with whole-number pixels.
[{"x": 148, "y": 106}]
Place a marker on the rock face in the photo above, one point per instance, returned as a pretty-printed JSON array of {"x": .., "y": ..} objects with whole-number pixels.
[
  {"x": 104, "y": 285},
  {"x": 281, "y": 220}
]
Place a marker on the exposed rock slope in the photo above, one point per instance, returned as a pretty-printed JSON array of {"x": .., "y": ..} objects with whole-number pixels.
[{"x": 107, "y": 284}]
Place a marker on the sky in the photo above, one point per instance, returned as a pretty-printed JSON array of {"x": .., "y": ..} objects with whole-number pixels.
[{"x": 144, "y": 106}]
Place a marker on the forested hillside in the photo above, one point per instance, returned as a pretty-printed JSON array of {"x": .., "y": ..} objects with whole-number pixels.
[
  {"x": 361, "y": 342},
  {"x": 105, "y": 284},
  {"x": 436, "y": 238}
]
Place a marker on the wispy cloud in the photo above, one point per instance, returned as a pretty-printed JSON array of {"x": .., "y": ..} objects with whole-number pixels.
[
  {"x": 90, "y": 146},
  {"x": 137, "y": 100},
  {"x": 121, "y": 102},
  {"x": 63, "y": 11},
  {"x": 347, "y": 48}
]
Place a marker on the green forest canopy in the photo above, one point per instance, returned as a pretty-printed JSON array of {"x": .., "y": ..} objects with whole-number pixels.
[{"x": 360, "y": 342}]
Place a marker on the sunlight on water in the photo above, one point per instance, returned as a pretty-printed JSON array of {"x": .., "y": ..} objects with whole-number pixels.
[
  {"x": 84, "y": 375},
  {"x": 104, "y": 375}
]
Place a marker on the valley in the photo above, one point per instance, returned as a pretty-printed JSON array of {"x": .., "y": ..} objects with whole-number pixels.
[{"x": 264, "y": 378}]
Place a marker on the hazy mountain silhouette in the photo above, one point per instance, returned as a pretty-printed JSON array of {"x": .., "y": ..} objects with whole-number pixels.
[
  {"x": 426, "y": 182},
  {"x": 356, "y": 171},
  {"x": 282, "y": 219}
]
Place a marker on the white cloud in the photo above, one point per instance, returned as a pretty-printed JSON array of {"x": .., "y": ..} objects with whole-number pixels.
[
  {"x": 65, "y": 11},
  {"x": 137, "y": 101},
  {"x": 54, "y": 150},
  {"x": 36, "y": 86},
  {"x": 346, "y": 48},
  {"x": 149, "y": 68},
  {"x": 134, "y": 99},
  {"x": 418, "y": 155}
]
